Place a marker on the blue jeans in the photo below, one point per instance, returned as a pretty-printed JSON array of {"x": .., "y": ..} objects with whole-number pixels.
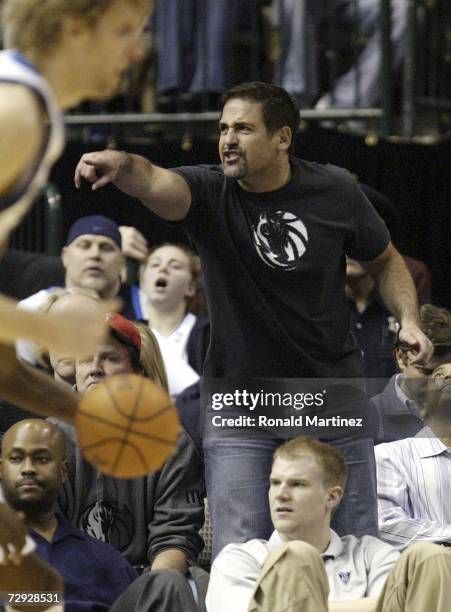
[
  {"x": 195, "y": 39},
  {"x": 237, "y": 472},
  {"x": 297, "y": 69}
]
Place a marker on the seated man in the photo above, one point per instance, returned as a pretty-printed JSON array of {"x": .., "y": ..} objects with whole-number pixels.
[
  {"x": 414, "y": 475},
  {"x": 33, "y": 469},
  {"x": 306, "y": 566},
  {"x": 399, "y": 403},
  {"x": 154, "y": 521}
]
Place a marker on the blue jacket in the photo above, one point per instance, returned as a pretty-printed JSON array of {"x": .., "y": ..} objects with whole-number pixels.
[{"x": 94, "y": 573}]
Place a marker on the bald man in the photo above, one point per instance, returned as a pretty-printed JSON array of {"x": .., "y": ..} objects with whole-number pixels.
[{"x": 33, "y": 467}]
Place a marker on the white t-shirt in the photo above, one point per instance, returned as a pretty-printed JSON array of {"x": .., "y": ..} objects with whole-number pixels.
[{"x": 174, "y": 352}]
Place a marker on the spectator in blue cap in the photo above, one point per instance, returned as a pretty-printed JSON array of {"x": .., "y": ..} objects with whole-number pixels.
[{"x": 92, "y": 259}]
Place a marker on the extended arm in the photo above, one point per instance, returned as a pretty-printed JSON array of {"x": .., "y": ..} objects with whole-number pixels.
[
  {"x": 32, "y": 575},
  {"x": 79, "y": 334},
  {"x": 21, "y": 130},
  {"x": 34, "y": 390},
  {"x": 22, "y": 570},
  {"x": 399, "y": 294},
  {"x": 164, "y": 192}
]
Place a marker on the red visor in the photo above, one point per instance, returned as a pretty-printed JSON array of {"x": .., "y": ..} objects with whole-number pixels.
[{"x": 128, "y": 332}]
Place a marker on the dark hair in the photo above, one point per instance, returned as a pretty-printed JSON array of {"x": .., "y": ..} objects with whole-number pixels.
[
  {"x": 435, "y": 322},
  {"x": 278, "y": 107}
]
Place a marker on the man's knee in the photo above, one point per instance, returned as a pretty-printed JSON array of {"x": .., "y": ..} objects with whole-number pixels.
[
  {"x": 302, "y": 549},
  {"x": 298, "y": 552},
  {"x": 422, "y": 551}
]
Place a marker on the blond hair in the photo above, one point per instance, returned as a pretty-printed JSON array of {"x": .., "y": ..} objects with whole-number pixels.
[
  {"x": 150, "y": 357},
  {"x": 331, "y": 461},
  {"x": 37, "y": 24}
]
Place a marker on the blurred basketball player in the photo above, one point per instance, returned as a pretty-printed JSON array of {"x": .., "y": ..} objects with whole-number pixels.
[{"x": 59, "y": 52}]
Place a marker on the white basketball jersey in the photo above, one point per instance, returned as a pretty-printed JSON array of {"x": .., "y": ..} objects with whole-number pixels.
[{"x": 14, "y": 68}]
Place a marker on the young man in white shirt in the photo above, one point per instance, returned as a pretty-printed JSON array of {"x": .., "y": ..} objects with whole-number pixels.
[{"x": 306, "y": 566}]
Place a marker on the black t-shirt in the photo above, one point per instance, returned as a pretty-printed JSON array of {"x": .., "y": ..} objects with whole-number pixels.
[{"x": 274, "y": 269}]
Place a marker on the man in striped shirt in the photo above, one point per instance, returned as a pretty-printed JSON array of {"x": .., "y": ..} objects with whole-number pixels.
[{"x": 414, "y": 474}]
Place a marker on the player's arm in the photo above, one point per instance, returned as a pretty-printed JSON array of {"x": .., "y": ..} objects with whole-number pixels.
[
  {"x": 78, "y": 334},
  {"x": 34, "y": 390},
  {"x": 21, "y": 571},
  {"x": 164, "y": 192},
  {"x": 396, "y": 287},
  {"x": 12, "y": 534},
  {"x": 366, "y": 604},
  {"x": 21, "y": 134},
  {"x": 20, "y": 123},
  {"x": 32, "y": 575}
]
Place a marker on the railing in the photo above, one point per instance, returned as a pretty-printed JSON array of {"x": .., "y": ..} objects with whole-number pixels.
[
  {"x": 330, "y": 64},
  {"x": 42, "y": 229},
  {"x": 424, "y": 86},
  {"x": 427, "y": 74}
]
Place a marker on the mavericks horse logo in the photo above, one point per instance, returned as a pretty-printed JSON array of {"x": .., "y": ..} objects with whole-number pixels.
[
  {"x": 280, "y": 239},
  {"x": 108, "y": 523}
]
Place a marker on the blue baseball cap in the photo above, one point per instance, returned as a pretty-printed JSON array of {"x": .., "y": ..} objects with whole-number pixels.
[{"x": 97, "y": 225}]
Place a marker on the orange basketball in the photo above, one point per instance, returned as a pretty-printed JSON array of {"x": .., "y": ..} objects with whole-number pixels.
[{"x": 127, "y": 426}]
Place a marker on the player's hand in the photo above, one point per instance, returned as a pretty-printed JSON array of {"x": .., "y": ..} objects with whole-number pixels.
[
  {"x": 78, "y": 334},
  {"x": 134, "y": 244},
  {"x": 98, "y": 168},
  {"x": 12, "y": 534},
  {"x": 417, "y": 345}
]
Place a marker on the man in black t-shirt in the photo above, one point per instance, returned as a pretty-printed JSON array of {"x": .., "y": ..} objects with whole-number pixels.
[{"x": 272, "y": 233}]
